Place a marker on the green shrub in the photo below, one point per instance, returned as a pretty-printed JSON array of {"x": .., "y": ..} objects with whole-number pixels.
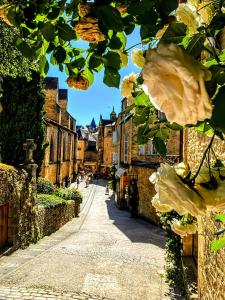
[
  {"x": 44, "y": 186},
  {"x": 66, "y": 193},
  {"x": 50, "y": 200},
  {"x": 76, "y": 195},
  {"x": 69, "y": 194}
]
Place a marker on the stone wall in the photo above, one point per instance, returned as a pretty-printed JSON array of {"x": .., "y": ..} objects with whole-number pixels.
[
  {"x": 17, "y": 190},
  {"x": 51, "y": 219},
  {"x": 211, "y": 271},
  {"x": 146, "y": 191}
]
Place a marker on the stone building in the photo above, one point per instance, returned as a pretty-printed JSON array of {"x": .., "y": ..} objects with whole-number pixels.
[
  {"x": 210, "y": 264},
  {"x": 59, "y": 163},
  {"x": 87, "y": 154},
  {"x": 139, "y": 162},
  {"x": 107, "y": 151}
]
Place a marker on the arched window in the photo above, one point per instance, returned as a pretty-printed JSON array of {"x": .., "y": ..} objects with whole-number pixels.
[
  {"x": 64, "y": 146},
  {"x": 69, "y": 147},
  {"x": 52, "y": 150}
]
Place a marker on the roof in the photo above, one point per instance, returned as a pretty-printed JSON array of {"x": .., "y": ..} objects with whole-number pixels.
[
  {"x": 112, "y": 124},
  {"x": 93, "y": 124},
  {"x": 105, "y": 122},
  {"x": 51, "y": 82}
]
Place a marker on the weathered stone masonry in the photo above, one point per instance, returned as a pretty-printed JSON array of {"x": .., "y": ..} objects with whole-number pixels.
[{"x": 211, "y": 265}]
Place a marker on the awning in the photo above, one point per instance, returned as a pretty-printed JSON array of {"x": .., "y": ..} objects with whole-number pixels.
[{"x": 120, "y": 172}]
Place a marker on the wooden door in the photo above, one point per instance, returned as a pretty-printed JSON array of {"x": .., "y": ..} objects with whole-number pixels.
[{"x": 3, "y": 224}]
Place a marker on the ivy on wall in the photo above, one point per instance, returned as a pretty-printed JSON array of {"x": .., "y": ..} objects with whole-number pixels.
[
  {"x": 22, "y": 102},
  {"x": 12, "y": 61},
  {"x": 22, "y": 118},
  {"x": 174, "y": 269}
]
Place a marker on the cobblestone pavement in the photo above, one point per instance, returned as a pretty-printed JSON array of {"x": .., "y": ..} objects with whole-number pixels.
[{"x": 103, "y": 254}]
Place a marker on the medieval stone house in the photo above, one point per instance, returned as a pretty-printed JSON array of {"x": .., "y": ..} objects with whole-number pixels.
[
  {"x": 107, "y": 152},
  {"x": 87, "y": 154},
  {"x": 59, "y": 163},
  {"x": 139, "y": 162}
]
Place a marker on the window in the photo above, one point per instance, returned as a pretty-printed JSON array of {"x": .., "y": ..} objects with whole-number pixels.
[
  {"x": 142, "y": 150},
  {"x": 69, "y": 147},
  {"x": 52, "y": 150},
  {"x": 64, "y": 147},
  {"x": 150, "y": 149},
  {"x": 114, "y": 157},
  {"x": 79, "y": 149},
  {"x": 147, "y": 149},
  {"x": 161, "y": 115},
  {"x": 126, "y": 148}
]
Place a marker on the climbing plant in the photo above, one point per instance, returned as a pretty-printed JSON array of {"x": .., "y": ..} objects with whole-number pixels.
[
  {"x": 12, "y": 61},
  {"x": 21, "y": 101},
  {"x": 21, "y": 118},
  {"x": 174, "y": 269}
]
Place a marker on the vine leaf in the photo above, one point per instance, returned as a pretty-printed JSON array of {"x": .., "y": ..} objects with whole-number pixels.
[
  {"x": 219, "y": 109},
  {"x": 111, "y": 77},
  {"x": 160, "y": 146},
  {"x": 220, "y": 218},
  {"x": 217, "y": 244},
  {"x": 196, "y": 45},
  {"x": 142, "y": 100},
  {"x": 110, "y": 17},
  {"x": 175, "y": 33}
]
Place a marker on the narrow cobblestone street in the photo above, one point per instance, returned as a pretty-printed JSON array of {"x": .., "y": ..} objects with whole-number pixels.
[{"x": 103, "y": 254}]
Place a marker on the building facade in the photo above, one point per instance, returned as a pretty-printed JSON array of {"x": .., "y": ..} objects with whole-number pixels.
[
  {"x": 137, "y": 162},
  {"x": 107, "y": 150},
  {"x": 87, "y": 154},
  {"x": 59, "y": 165}
]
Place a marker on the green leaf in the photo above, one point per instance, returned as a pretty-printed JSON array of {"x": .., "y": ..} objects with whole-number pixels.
[
  {"x": 163, "y": 134},
  {"x": 142, "y": 137},
  {"x": 196, "y": 45},
  {"x": 89, "y": 75},
  {"x": 111, "y": 77},
  {"x": 53, "y": 60},
  {"x": 168, "y": 6},
  {"x": 66, "y": 32},
  {"x": 129, "y": 24},
  {"x": 148, "y": 31},
  {"x": 142, "y": 100},
  {"x": 218, "y": 116},
  {"x": 220, "y": 217},
  {"x": 54, "y": 13},
  {"x": 43, "y": 65},
  {"x": 94, "y": 62},
  {"x": 79, "y": 63},
  {"x": 115, "y": 43},
  {"x": 122, "y": 38},
  {"x": 109, "y": 17},
  {"x": 112, "y": 59},
  {"x": 205, "y": 129},
  {"x": 217, "y": 244},
  {"x": 174, "y": 33},
  {"x": 139, "y": 8},
  {"x": 159, "y": 146},
  {"x": 60, "y": 54},
  {"x": 24, "y": 48},
  {"x": 48, "y": 31},
  {"x": 173, "y": 126}
]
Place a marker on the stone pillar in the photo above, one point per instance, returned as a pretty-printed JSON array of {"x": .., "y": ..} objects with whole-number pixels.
[{"x": 29, "y": 165}]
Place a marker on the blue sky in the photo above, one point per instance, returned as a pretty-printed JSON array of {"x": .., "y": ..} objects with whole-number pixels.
[{"x": 98, "y": 99}]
